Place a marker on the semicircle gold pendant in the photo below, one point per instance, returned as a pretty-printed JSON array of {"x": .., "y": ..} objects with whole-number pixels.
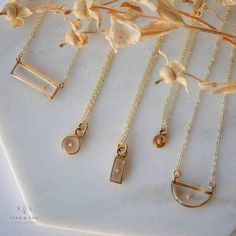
[{"x": 189, "y": 195}]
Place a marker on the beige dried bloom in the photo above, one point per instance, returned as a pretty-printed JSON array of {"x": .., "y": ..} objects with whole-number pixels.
[
  {"x": 83, "y": 9},
  {"x": 174, "y": 71},
  {"x": 13, "y": 12},
  {"x": 226, "y": 2},
  {"x": 74, "y": 37},
  {"x": 122, "y": 32}
]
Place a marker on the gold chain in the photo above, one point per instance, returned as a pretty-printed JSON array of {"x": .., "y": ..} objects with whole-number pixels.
[
  {"x": 222, "y": 116},
  {"x": 32, "y": 35},
  {"x": 71, "y": 144},
  {"x": 99, "y": 84},
  {"x": 141, "y": 88},
  {"x": 184, "y": 59},
  {"x": 190, "y": 124},
  {"x": 172, "y": 96}
]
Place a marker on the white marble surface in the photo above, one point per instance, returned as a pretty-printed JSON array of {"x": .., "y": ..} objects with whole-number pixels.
[{"x": 76, "y": 193}]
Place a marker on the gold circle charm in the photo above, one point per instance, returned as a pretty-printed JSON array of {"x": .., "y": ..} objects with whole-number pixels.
[
  {"x": 71, "y": 145},
  {"x": 159, "y": 141}
]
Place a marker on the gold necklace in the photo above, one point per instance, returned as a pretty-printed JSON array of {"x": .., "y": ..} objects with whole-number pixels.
[
  {"x": 190, "y": 195},
  {"x": 71, "y": 144},
  {"x": 35, "y": 79},
  {"x": 120, "y": 161},
  {"x": 160, "y": 139}
]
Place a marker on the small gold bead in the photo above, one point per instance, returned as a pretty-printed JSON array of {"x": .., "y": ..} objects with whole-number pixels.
[{"x": 159, "y": 141}]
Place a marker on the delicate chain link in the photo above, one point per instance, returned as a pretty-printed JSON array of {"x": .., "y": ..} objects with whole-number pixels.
[
  {"x": 75, "y": 57},
  {"x": 29, "y": 40},
  {"x": 222, "y": 116},
  {"x": 32, "y": 35},
  {"x": 210, "y": 66},
  {"x": 172, "y": 96},
  {"x": 146, "y": 76},
  {"x": 184, "y": 59},
  {"x": 99, "y": 84}
]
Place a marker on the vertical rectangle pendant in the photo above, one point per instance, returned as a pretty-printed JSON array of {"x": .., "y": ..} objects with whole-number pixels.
[
  {"x": 118, "y": 169},
  {"x": 35, "y": 79}
]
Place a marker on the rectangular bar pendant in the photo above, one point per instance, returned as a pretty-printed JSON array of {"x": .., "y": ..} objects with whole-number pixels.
[
  {"x": 118, "y": 170},
  {"x": 35, "y": 79}
]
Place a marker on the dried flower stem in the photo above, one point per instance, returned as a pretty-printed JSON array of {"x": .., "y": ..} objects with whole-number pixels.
[
  {"x": 110, "y": 2},
  {"x": 110, "y": 9},
  {"x": 197, "y": 19},
  {"x": 216, "y": 32},
  {"x": 192, "y": 76},
  {"x": 210, "y": 29}
]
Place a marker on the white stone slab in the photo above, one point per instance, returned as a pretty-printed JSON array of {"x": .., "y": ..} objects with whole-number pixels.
[{"x": 75, "y": 193}]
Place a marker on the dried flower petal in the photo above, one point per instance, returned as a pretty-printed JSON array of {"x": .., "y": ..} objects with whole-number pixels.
[
  {"x": 167, "y": 10},
  {"x": 75, "y": 38},
  {"x": 24, "y": 12},
  {"x": 156, "y": 28},
  {"x": 122, "y": 32},
  {"x": 132, "y": 11},
  {"x": 227, "y": 89},
  {"x": 207, "y": 85},
  {"x": 167, "y": 75},
  {"x": 83, "y": 9},
  {"x": 75, "y": 25},
  {"x": 183, "y": 82},
  {"x": 176, "y": 66}
]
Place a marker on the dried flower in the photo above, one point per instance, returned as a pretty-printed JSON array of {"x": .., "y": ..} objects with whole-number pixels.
[
  {"x": 83, "y": 9},
  {"x": 172, "y": 72},
  {"x": 14, "y": 13},
  {"x": 122, "y": 32},
  {"x": 226, "y": 2},
  {"x": 74, "y": 37}
]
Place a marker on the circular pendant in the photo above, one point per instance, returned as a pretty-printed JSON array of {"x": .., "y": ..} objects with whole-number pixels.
[
  {"x": 159, "y": 141},
  {"x": 71, "y": 145},
  {"x": 189, "y": 195}
]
